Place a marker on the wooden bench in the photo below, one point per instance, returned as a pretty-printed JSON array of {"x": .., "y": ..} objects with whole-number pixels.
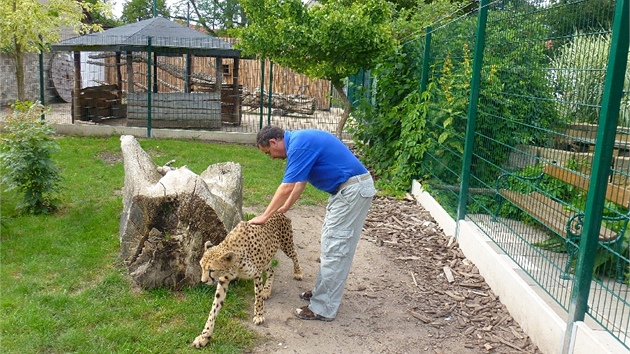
[{"x": 565, "y": 220}]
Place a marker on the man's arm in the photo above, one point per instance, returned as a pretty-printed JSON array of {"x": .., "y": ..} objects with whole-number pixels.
[
  {"x": 279, "y": 199},
  {"x": 295, "y": 195}
]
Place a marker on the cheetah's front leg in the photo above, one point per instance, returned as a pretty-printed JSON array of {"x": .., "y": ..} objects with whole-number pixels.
[
  {"x": 206, "y": 334},
  {"x": 258, "y": 300},
  {"x": 266, "y": 290}
]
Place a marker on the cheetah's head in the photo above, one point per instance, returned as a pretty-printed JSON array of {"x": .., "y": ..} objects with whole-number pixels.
[{"x": 218, "y": 264}]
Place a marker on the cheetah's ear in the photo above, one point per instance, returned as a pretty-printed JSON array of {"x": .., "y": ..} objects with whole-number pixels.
[
  {"x": 208, "y": 245},
  {"x": 228, "y": 257}
]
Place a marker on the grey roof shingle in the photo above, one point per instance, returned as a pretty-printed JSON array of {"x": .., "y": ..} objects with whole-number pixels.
[{"x": 167, "y": 37}]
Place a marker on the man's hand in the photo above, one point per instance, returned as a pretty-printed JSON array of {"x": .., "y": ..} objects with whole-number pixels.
[
  {"x": 286, "y": 195},
  {"x": 258, "y": 220}
]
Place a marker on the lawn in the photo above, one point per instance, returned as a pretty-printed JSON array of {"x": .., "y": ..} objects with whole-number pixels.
[{"x": 63, "y": 287}]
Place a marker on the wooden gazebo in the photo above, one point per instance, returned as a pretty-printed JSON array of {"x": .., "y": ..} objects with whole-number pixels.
[{"x": 203, "y": 103}]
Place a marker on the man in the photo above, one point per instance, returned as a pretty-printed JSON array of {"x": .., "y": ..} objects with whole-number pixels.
[{"x": 320, "y": 158}]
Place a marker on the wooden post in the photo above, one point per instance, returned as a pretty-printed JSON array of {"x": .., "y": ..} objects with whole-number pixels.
[
  {"x": 218, "y": 81},
  {"x": 218, "y": 84},
  {"x": 76, "y": 92},
  {"x": 189, "y": 67},
  {"x": 129, "y": 59},
  {"x": 118, "y": 76},
  {"x": 237, "y": 98}
]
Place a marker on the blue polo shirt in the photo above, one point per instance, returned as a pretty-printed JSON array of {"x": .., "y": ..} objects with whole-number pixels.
[{"x": 320, "y": 158}]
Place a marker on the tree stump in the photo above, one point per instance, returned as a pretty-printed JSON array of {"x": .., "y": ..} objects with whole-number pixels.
[{"x": 168, "y": 215}]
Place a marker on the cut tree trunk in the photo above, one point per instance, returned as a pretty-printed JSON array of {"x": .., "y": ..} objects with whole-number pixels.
[{"x": 169, "y": 214}]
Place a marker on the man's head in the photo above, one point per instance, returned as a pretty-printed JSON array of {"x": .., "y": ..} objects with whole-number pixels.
[{"x": 270, "y": 140}]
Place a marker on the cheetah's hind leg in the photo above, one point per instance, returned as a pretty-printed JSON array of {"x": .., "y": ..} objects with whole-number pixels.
[{"x": 290, "y": 251}]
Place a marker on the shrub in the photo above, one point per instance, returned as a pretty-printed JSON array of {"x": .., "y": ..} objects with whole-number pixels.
[
  {"x": 26, "y": 159},
  {"x": 580, "y": 73},
  {"x": 405, "y": 134}
]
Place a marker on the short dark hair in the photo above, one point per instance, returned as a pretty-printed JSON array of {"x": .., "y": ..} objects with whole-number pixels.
[{"x": 267, "y": 133}]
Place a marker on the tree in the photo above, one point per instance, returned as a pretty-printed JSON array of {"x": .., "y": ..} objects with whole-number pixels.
[
  {"x": 138, "y": 10},
  {"x": 101, "y": 15},
  {"x": 570, "y": 17},
  {"x": 28, "y": 25},
  {"x": 330, "y": 40},
  {"x": 215, "y": 16}
]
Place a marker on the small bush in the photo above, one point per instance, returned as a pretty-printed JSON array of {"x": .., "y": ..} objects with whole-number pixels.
[
  {"x": 26, "y": 159},
  {"x": 580, "y": 74}
]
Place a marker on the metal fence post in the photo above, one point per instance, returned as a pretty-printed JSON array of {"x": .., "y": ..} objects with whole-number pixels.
[
  {"x": 424, "y": 80},
  {"x": 472, "y": 109},
  {"x": 595, "y": 198},
  {"x": 149, "y": 98}
]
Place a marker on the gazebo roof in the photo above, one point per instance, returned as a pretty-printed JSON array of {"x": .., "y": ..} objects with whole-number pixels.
[{"x": 167, "y": 37}]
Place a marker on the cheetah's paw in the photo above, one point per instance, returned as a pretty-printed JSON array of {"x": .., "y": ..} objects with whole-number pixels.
[
  {"x": 259, "y": 319},
  {"x": 200, "y": 341}
]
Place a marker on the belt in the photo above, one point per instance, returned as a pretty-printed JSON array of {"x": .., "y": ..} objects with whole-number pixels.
[{"x": 353, "y": 180}]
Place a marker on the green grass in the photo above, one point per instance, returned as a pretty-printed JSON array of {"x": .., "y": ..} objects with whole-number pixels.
[{"x": 63, "y": 287}]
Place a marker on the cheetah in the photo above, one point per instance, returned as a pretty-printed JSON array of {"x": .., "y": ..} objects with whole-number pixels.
[{"x": 245, "y": 253}]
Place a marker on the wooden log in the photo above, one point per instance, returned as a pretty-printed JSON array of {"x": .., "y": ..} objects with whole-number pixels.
[
  {"x": 62, "y": 75},
  {"x": 167, "y": 217},
  {"x": 96, "y": 102},
  {"x": 285, "y": 103}
]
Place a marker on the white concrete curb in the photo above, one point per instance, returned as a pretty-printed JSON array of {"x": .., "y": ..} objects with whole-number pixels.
[{"x": 106, "y": 130}]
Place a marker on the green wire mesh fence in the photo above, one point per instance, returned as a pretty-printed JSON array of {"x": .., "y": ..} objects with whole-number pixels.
[{"x": 525, "y": 174}]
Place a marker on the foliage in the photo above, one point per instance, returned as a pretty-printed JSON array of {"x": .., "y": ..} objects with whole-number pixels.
[
  {"x": 580, "y": 73},
  {"x": 566, "y": 17},
  {"x": 26, "y": 159},
  {"x": 378, "y": 126},
  {"x": 330, "y": 40},
  {"x": 409, "y": 18},
  {"x": 447, "y": 119},
  {"x": 523, "y": 96},
  {"x": 138, "y": 10},
  {"x": 29, "y": 25},
  {"x": 515, "y": 102},
  {"x": 217, "y": 17},
  {"x": 101, "y": 14},
  {"x": 411, "y": 146}
]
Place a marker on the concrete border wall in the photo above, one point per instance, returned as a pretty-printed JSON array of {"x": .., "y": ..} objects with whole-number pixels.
[{"x": 106, "y": 130}]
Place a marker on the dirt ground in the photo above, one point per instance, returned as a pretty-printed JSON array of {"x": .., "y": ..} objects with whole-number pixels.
[{"x": 410, "y": 290}]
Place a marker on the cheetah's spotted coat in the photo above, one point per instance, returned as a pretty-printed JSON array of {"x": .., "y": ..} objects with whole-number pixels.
[{"x": 245, "y": 253}]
